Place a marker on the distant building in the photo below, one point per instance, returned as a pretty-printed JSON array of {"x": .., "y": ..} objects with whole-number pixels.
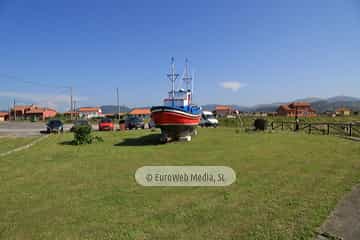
[
  {"x": 343, "y": 112},
  {"x": 115, "y": 115},
  {"x": 89, "y": 112},
  {"x": 140, "y": 112},
  {"x": 272, "y": 114},
  {"x": 300, "y": 109},
  {"x": 40, "y": 113},
  {"x": 222, "y": 111},
  {"x": 4, "y": 116},
  {"x": 260, "y": 114},
  {"x": 73, "y": 113},
  {"x": 329, "y": 113},
  {"x": 18, "y": 112},
  {"x": 32, "y": 112}
]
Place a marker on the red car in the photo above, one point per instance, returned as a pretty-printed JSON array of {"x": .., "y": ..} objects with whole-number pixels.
[{"x": 106, "y": 124}]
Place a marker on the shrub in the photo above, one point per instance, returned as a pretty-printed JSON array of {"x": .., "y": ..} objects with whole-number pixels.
[
  {"x": 260, "y": 124},
  {"x": 82, "y": 135}
]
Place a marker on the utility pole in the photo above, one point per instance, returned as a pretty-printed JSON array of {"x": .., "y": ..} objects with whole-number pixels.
[
  {"x": 75, "y": 110},
  {"x": 118, "y": 104},
  {"x": 71, "y": 103},
  {"x": 9, "y": 111},
  {"x": 14, "y": 110}
]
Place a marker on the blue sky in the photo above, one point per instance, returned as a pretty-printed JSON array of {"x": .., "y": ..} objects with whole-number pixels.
[{"x": 242, "y": 52}]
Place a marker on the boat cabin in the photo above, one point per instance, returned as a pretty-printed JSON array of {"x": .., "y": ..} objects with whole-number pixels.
[{"x": 182, "y": 98}]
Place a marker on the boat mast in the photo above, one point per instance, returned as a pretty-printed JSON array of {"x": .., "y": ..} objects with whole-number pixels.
[
  {"x": 173, "y": 76},
  {"x": 187, "y": 77}
]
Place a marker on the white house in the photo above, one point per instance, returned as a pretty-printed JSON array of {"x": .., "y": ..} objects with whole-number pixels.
[{"x": 90, "y": 112}]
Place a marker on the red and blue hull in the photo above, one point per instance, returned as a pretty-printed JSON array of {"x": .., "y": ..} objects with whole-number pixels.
[
  {"x": 167, "y": 116},
  {"x": 174, "y": 122}
]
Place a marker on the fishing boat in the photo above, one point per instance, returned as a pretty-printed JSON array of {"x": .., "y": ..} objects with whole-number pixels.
[{"x": 177, "y": 117}]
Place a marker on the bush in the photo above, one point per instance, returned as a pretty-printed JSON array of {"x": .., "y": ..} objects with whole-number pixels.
[
  {"x": 82, "y": 135},
  {"x": 260, "y": 124}
]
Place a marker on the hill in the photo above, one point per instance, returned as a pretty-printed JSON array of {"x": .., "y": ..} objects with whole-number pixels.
[
  {"x": 320, "y": 105},
  {"x": 106, "y": 109}
]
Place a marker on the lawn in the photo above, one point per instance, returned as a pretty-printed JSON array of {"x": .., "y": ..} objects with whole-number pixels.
[
  {"x": 8, "y": 143},
  {"x": 286, "y": 186}
]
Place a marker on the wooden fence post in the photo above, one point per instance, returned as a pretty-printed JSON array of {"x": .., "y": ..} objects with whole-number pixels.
[
  {"x": 328, "y": 129},
  {"x": 309, "y": 128},
  {"x": 272, "y": 125},
  {"x": 282, "y": 125},
  {"x": 350, "y": 129}
]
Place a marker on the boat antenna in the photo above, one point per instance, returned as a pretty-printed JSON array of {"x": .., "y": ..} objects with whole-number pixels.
[
  {"x": 173, "y": 76},
  {"x": 192, "y": 85},
  {"x": 187, "y": 76}
]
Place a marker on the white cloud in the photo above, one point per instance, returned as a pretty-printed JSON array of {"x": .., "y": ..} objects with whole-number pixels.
[
  {"x": 53, "y": 101},
  {"x": 234, "y": 86}
]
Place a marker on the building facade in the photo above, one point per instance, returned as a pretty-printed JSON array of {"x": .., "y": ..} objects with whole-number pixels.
[
  {"x": 223, "y": 111},
  {"x": 31, "y": 112},
  {"x": 140, "y": 112},
  {"x": 300, "y": 109},
  {"x": 89, "y": 112},
  {"x": 343, "y": 112},
  {"x": 4, "y": 116}
]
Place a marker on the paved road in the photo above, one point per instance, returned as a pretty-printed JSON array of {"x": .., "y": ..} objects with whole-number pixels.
[
  {"x": 24, "y": 129},
  {"x": 344, "y": 221}
]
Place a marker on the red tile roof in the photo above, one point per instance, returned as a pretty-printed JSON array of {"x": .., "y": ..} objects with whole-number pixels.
[
  {"x": 39, "y": 110},
  {"x": 4, "y": 114},
  {"x": 89, "y": 109},
  {"x": 140, "y": 111},
  {"x": 222, "y": 108},
  {"x": 287, "y": 108},
  {"x": 22, "y": 107},
  {"x": 299, "y": 104},
  {"x": 293, "y": 107}
]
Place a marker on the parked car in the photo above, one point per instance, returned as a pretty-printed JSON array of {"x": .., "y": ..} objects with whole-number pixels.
[
  {"x": 106, "y": 124},
  {"x": 55, "y": 126},
  {"x": 151, "y": 124},
  {"x": 79, "y": 123},
  {"x": 208, "y": 119},
  {"x": 134, "y": 122}
]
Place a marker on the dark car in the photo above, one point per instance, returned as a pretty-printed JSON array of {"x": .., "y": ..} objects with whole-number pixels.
[
  {"x": 151, "y": 124},
  {"x": 79, "y": 123},
  {"x": 106, "y": 124},
  {"x": 134, "y": 122},
  {"x": 55, "y": 126}
]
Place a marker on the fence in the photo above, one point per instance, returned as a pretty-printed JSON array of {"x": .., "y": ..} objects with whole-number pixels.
[{"x": 343, "y": 129}]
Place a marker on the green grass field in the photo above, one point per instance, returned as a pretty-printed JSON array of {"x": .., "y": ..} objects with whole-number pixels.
[
  {"x": 286, "y": 186},
  {"x": 9, "y": 143}
]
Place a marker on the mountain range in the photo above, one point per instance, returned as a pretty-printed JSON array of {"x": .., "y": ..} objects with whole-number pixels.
[{"x": 319, "y": 104}]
